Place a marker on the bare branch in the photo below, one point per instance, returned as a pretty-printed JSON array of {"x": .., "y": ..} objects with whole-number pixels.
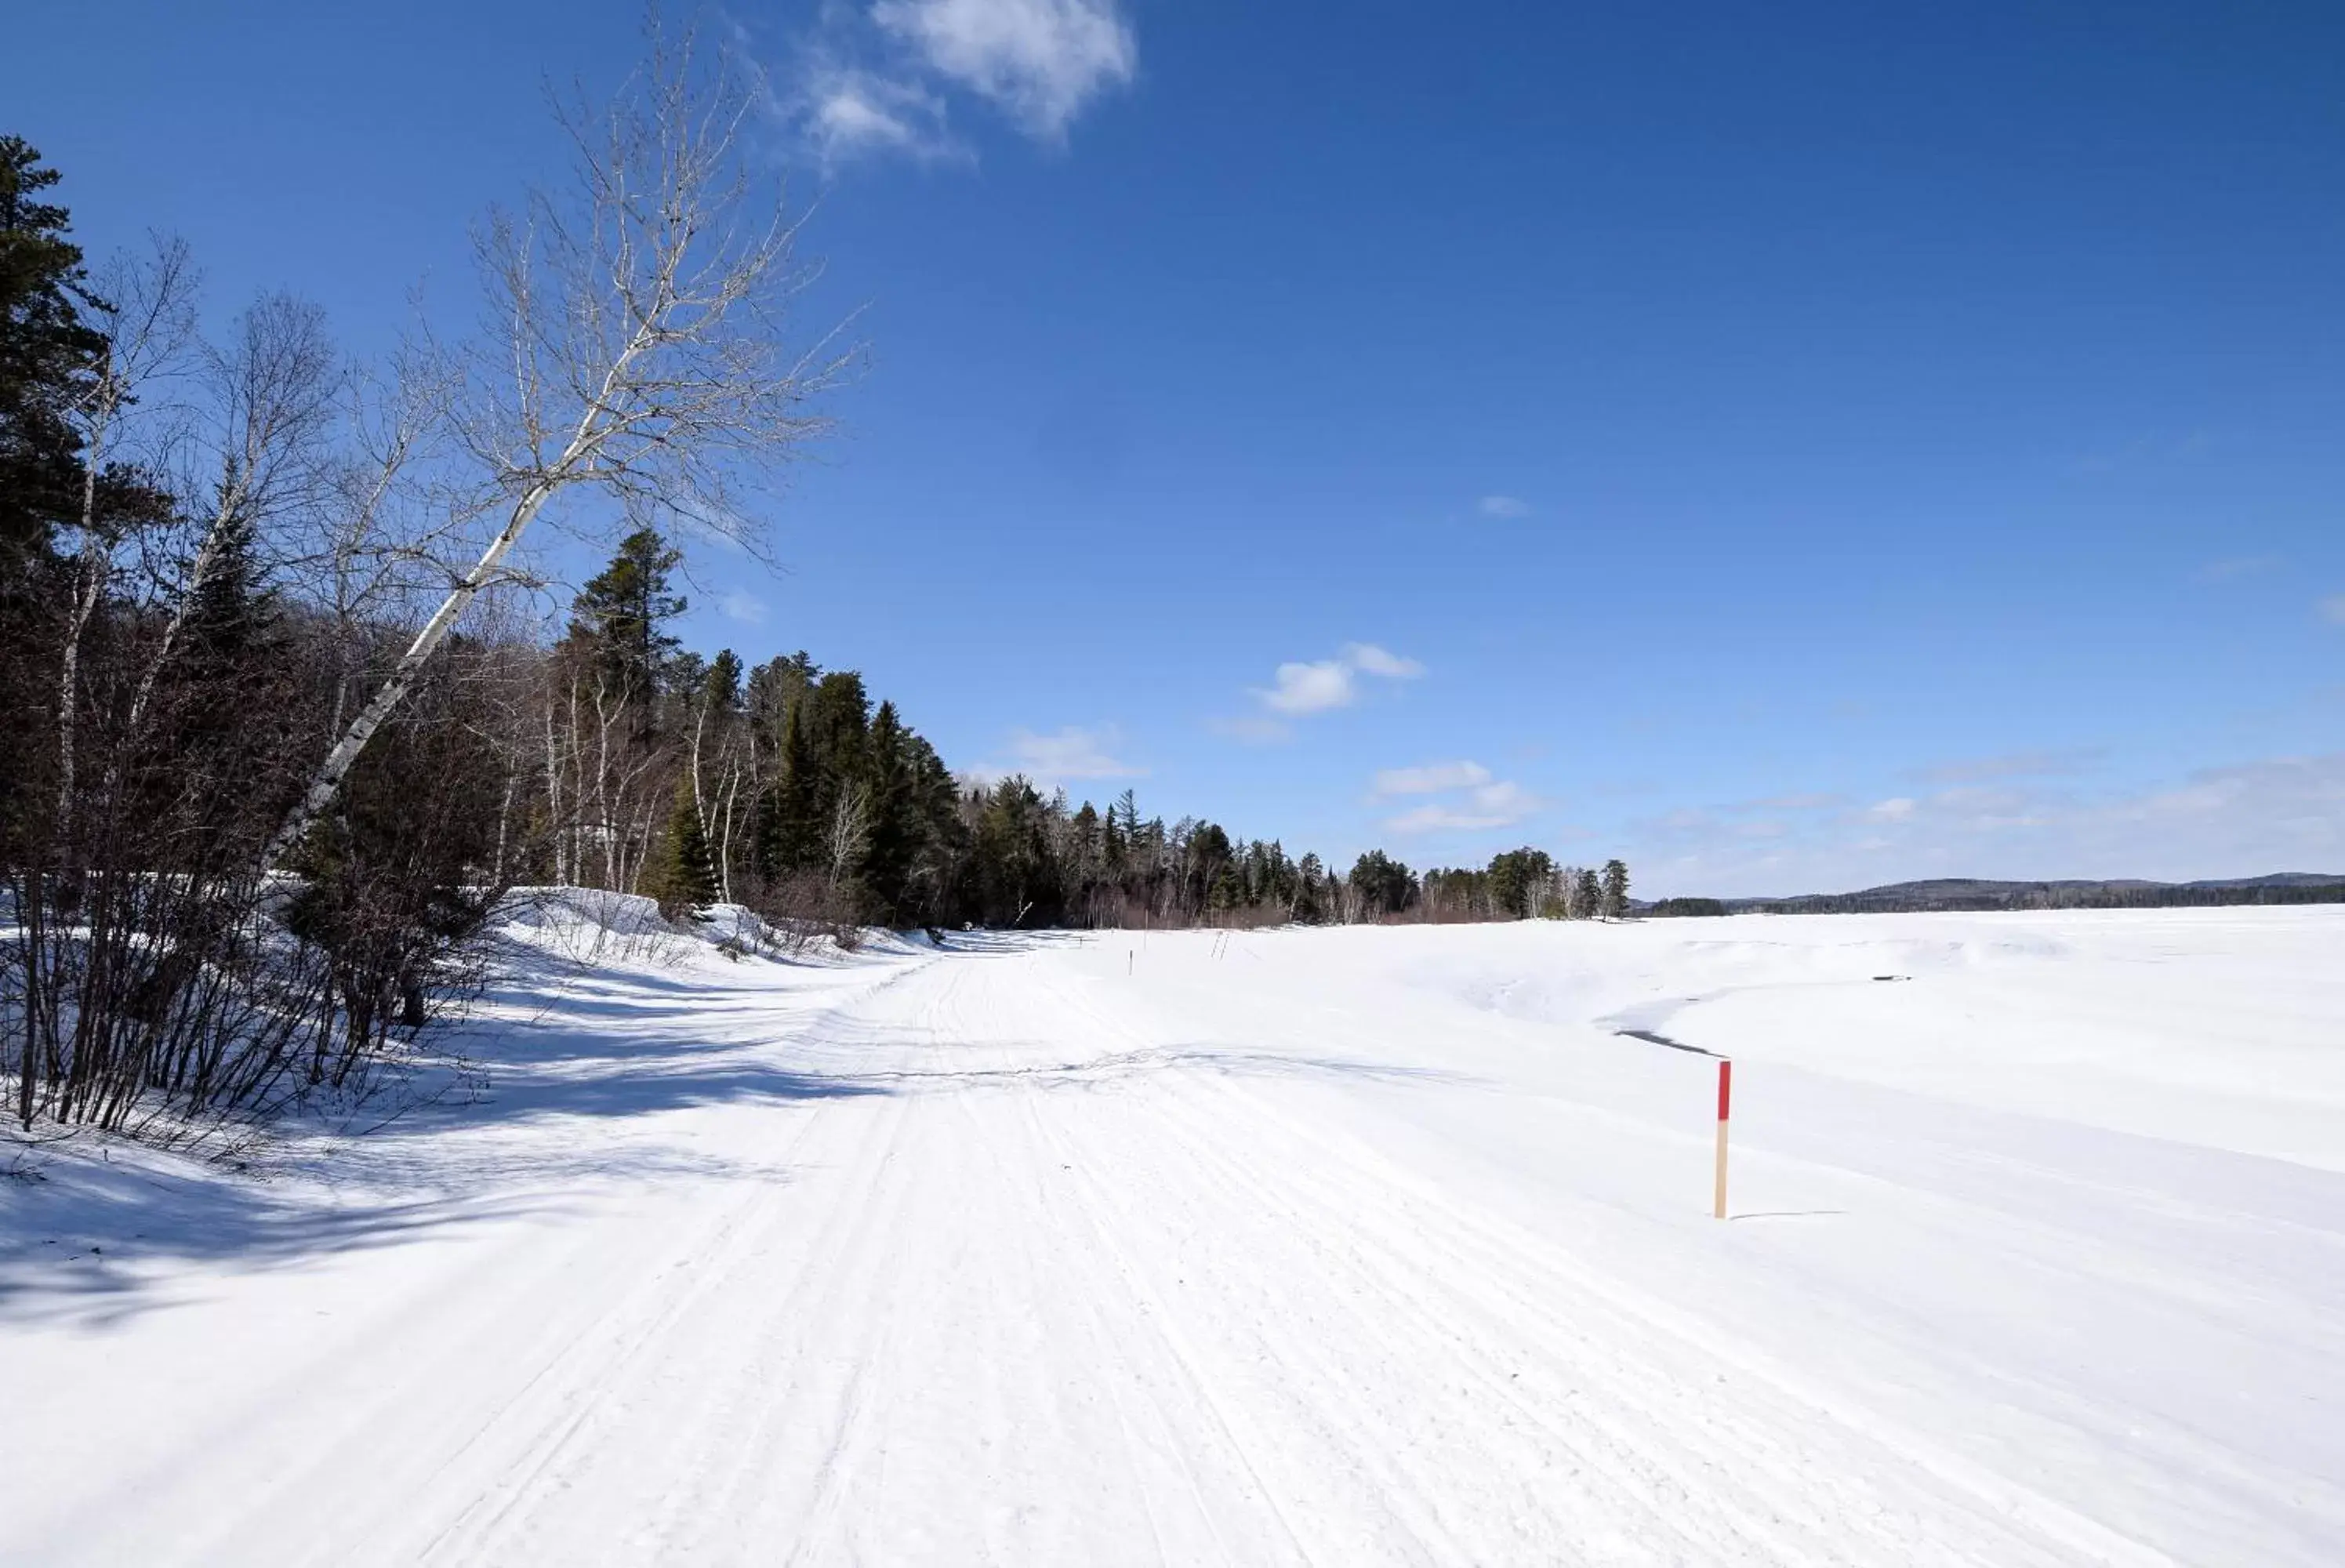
[{"x": 634, "y": 345}]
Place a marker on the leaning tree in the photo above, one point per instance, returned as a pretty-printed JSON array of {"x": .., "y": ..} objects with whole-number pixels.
[{"x": 634, "y": 346}]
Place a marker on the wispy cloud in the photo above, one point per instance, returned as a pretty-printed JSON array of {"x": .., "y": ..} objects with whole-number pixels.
[
  {"x": 876, "y": 80},
  {"x": 1504, "y": 506},
  {"x": 1474, "y": 800},
  {"x": 1313, "y": 686},
  {"x": 1039, "y": 61},
  {"x": 2015, "y": 764},
  {"x": 1798, "y": 802},
  {"x": 1498, "y": 804},
  {"x": 1432, "y": 778},
  {"x": 2333, "y": 609},
  {"x": 1072, "y": 753},
  {"x": 745, "y": 608},
  {"x": 1897, "y": 808},
  {"x": 1371, "y": 659},
  {"x": 850, "y": 112},
  {"x": 2237, "y": 566},
  {"x": 1434, "y": 817}
]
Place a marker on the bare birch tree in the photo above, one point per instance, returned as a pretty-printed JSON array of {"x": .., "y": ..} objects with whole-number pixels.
[
  {"x": 848, "y": 834},
  {"x": 635, "y": 345},
  {"x": 261, "y": 450}
]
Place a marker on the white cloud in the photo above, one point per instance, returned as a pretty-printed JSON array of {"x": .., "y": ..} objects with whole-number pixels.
[
  {"x": 2333, "y": 608},
  {"x": 1433, "y": 778},
  {"x": 1505, "y": 506},
  {"x": 1314, "y": 686},
  {"x": 1897, "y": 808},
  {"x": 1369, "y": 659},
  {"x": 2015, "y": 764},
  {"x": 1311, "y": 688},
  {"x": 1040, "y": 60},
  {"x": 1480, "y": 802},
  {"x": 850, "y": 112},
  {"x": 745, "y": 608},
  {"x": 1073, "y": 753},
  {"x": 1434, "y": 818},
  {"x": 1506, "y": 800}
]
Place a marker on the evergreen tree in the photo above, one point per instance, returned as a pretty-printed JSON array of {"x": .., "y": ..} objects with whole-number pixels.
[
  {"x": 894, "y": 832},
  {"x": 1013, "y": 855},
  {"x": 1587, "y": 897},
  {"x": 683, "y": 876},
  {"x": 1311, "y": 902},
  {"x": 228, "y": 664},
  {"x": 1384, "y": 885},
  {"x": 790, "y": 815},
  {"x": 50, "y": 355},
  {"x": 619, "y": 616},
  {"x": 837, "y": 716},
  {"x": 1616, "y": 889},
  {"x": 1205, "y": 855},
  {"x": 1515, "y": 879},
  {"x": 941, "y": 857},
  {"x": 773, "y": 687}
]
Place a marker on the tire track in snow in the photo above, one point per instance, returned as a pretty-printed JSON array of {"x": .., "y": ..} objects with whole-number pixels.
[
  {"x": 1497, "y": 1248},
  {"x": 1628, "y": 1320}
]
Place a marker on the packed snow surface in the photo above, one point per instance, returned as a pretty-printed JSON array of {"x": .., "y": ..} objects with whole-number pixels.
[{"x": 1343, "y": 1247}]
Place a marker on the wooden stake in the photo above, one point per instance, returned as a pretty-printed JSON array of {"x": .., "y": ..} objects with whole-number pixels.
[{"x": 1725, "y": 1090}]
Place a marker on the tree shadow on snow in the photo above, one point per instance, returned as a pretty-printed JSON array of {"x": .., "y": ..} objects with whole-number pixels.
[{"x": 87, "y": 1226}]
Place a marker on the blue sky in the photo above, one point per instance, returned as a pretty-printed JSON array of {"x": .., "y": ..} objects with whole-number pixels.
[{"x": 1792, "y": 448}]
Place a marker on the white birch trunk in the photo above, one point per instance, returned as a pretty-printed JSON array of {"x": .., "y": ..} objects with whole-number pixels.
[
  {"x": 553, "y": 800},
  {"x": 328, "y": 779}
]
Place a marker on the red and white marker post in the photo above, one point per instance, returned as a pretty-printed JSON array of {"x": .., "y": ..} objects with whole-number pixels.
[{"x": 1725, "y": 1093}]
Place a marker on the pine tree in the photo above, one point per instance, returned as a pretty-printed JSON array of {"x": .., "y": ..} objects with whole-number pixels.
[
  {"x": 1616, "y": 889},
  {"x": 1587, "y": 897},
  {"x": 894, "y": 830},
  {"x": 1515, "y": 879},
  {"x": 619, "y": 614},
  {"x": 789, "y": 818},
  {"x": 684, "y": 878},
  {"x": 233, "y": 627},
  {"x": 50, "y": 352},
  {"x": 1385, "y": 885}
]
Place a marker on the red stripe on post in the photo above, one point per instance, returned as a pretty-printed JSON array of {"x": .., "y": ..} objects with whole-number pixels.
[{"x": 1725, "y": 1086}]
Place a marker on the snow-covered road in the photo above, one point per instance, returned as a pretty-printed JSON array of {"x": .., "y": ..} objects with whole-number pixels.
[{"x": 1348, "y": 1246}]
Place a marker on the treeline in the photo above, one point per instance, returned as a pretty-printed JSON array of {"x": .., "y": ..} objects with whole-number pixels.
[
  {"x": 1980, "y": 898},
  {"x": 1528, "y": 885},
  {"x": 1686, "y": 906},
  {"x": 281, "y": 721},
  {"x": 782, "y": 787}
]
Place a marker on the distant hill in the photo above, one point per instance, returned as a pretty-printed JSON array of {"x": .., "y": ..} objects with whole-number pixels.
[{"x": 1960, "y": 893}]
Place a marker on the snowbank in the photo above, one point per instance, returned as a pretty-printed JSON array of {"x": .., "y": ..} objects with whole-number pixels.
[{"x": 1379, "y": 1245}]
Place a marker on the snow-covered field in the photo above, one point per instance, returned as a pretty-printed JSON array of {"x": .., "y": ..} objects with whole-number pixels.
[{"x": 1343, "y": 1247}]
